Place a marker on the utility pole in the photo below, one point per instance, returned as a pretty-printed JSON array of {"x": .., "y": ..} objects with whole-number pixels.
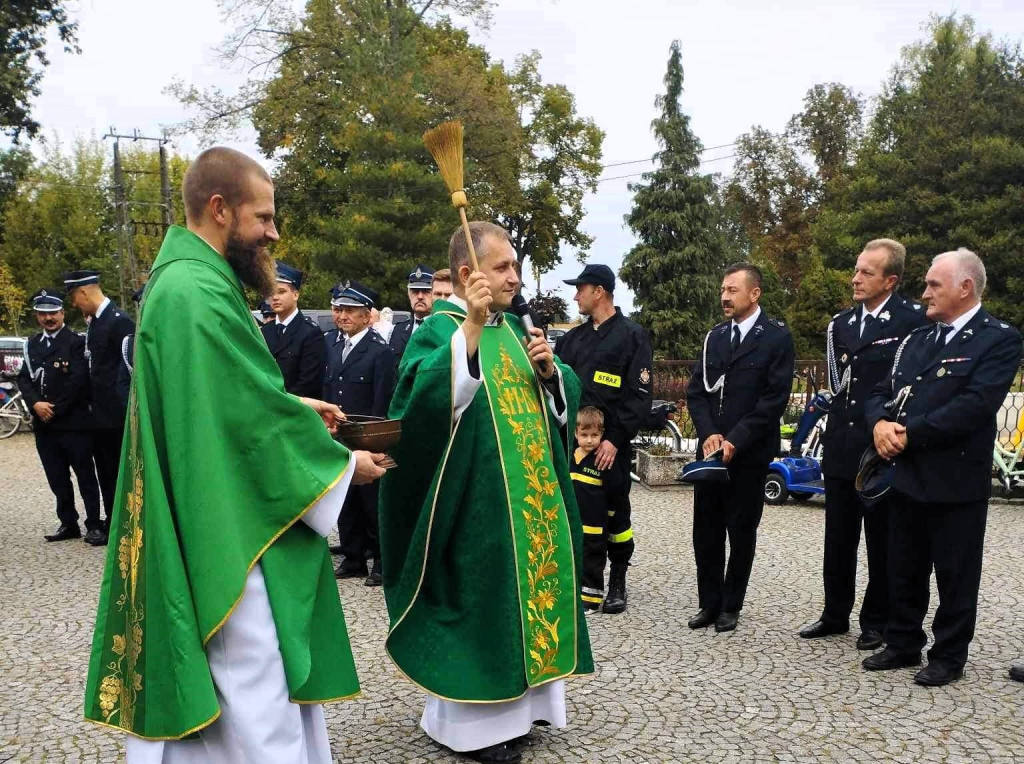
[{"x": 127, "y": 265}]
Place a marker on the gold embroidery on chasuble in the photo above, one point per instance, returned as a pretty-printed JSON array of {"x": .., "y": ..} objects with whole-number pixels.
[
  {"x": 120, "y": 688},
  {"x": 537, "y": 497}
]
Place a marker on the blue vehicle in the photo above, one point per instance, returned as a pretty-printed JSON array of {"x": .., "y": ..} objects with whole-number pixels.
[{"x": 799, "y": 474}]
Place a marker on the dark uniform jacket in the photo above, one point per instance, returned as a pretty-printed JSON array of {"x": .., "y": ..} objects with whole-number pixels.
[
  {"x": 59, "y": 375},
  {"x": 616, "y": 367},
  {"x": 124, "y": 374},
  {"x": 103, "y": 351},
  {"x": 400, "y": 336},
  {"x": 364, "y": 382},
  {"x": 300, "y": 353},
  {"x": 869, "y": 359},
  {"x": 950, "y": 414},
  {"x": 758, "y": 382}
]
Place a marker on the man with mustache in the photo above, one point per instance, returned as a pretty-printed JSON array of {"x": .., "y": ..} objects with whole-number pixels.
[
  {"x": 421, "y": 300},
  {"x": 55, "y": 382},
  {"x": 739, "y": 389},
  {"x": 294, "y": 339},
  {"x": 219, "y": 632}
]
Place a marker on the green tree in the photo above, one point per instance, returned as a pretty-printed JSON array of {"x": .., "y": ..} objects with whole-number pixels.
[
  {"x": 942, "y": 165},
  {"x": 551, "y": 308},
  {"x": 12, "y": 301},
  {"x": 61, "y": 219},
  {"x": 675, "y": 268},
  {"x": 23, "y": 28},
  {"x": 353, "y": 85}
]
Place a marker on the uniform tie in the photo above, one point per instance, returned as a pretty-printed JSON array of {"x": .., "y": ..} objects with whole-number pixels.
[
  {"x": 347, "y": 349},
  {"x": 868, "y": 320},
  {"x": 735, "y": 338},
  {"x": 940, "y": 336},
  {"x": 280, "y": 330}
]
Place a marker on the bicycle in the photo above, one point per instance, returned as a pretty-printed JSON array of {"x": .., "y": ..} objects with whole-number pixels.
[
  {"x": 659, "y": 420},
  {"x": 13, "y": 411}
]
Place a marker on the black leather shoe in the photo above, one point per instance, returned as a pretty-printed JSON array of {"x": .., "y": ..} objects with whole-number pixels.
[
  {"x": 1017, "y": 672},
  {"x": 335, "y": 549},
  {"x": 615, "y": 600},
  {"x": 937, "y": 675},
  {"x": 375, "y": 578},
  {"x": 703, "y": 619},
  {"x": 820, "y": 629},
  {"x": 96, "y": 537},
  {"x": 890, "y": 659},
  {"x": 502, "y": 753},
  {"x": 726, "y": 621},
  {"x": 350, "y": 571},
  {"x": 870, "y": 640},
  {"x": 64, "y": 533}
]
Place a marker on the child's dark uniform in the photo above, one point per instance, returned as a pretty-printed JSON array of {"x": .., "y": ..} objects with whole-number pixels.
[{"x": 591, "y": 486}]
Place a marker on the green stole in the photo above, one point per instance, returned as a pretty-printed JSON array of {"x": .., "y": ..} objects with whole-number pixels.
[
  {"x": 536, "y": 510},
  {"x": 200, "y": 500}
]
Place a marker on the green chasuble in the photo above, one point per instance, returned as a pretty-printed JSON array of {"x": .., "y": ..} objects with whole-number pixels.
[
  {"x": 480, "y": 534},
  {"x": 218, "y": 466}
]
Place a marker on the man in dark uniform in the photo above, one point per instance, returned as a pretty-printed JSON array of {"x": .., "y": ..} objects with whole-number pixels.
[
  {"x": 266, "y": 312},
  {"x": 295, "y": 341},
  {"x": 860, "y": 348},
  {"x": 738, "y": 393},
  {"x": 124, "y": 373},
  {"x": 612, "y": 357},
  {"x": 108, "y": 326},
  {"x": 54, "y": 379},
  {"x": 360, "y": 378},
  {"x": 421, "y": 301},
  {"x": 934, "y": 419}
]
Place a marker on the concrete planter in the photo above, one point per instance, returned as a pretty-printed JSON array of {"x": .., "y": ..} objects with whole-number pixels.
[{"x": 655, "y": 471}]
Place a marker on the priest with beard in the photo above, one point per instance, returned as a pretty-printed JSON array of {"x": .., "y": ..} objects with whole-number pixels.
[{"x": 219, "y": 632}]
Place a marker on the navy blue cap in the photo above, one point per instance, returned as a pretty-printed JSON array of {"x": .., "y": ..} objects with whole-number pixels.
[
  {"x": 47, "y": 301},
  {"x": 289, "y": 275},
  {"x": 265, "y": 309},
  {"x": 352, "y": 294},
  {"x": 874, "y": 477},
  {"x": 598, "y": 275},
  {"x": 704, "y": 471},
  {"x": 421, "y": 277},
  {"x": 74, "y": 279}
]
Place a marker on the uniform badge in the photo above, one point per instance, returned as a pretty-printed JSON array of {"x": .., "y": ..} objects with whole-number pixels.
[
  {"x": 941, "y": 372},
  {"x": 853, "y": 319},
  {"x": 883, "y": 316},
  {"x": 645, "y": 376},
  {"x": 917, "y": 306},
  {"x": 844, "y": 357},
  {"x": 347, "y": 284},
  {"x": 419, "y": 273},
  {"x": 1005, "y": 326},
  {"x": 43, "y": 293},
  {"x": 56, "y": 364}
]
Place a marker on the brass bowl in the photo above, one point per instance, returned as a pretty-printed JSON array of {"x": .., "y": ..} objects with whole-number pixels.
[{"x": 370, "y": 433}]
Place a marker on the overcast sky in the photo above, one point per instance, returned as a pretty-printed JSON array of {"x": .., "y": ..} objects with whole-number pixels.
[{"x": 746, "y": 62}]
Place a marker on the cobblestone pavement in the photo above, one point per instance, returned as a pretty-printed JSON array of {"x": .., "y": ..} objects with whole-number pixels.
[{"x": 662, "y": 693}]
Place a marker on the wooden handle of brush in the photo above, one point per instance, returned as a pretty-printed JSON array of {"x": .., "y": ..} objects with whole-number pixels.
[{"x": 469, "y": 239}]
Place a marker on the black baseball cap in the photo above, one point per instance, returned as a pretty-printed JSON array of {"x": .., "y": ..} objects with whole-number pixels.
[{"x": 598, "y": 275}]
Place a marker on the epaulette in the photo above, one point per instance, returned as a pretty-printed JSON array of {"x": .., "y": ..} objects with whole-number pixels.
[
  {"x": 925, "y": 328},
  {"x": 719, "y": 326},
  {"x": 909, "y": 304},
  {"x": 844, "y": 311},
  {"x": 995, "y": 323},
  {"x": 311, "y": 321},
  {"x": 778, "y": 322}
]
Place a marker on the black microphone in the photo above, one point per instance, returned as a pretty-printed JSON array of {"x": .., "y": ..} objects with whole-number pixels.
[{"x": 521, "y": 309}]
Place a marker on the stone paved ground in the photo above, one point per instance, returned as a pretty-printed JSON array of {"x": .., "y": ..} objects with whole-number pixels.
[{"x": 662, "y": 693}]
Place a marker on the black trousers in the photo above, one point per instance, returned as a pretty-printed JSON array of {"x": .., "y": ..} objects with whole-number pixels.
[
  {"x": 949, "y": 538},
  {"x": 594, "y": 516},
  {"x": 620, "y": 526},
  {"x": 844, "y": 512},
  {"x": 727, "y": 510},
  {"x": 106, "y": 450},
  {"x": 61, "y": 452},
  {"x": 357, "y": 525}
]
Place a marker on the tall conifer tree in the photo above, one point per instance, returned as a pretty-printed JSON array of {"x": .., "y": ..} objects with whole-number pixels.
[{"x": 675, "y": 268}]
